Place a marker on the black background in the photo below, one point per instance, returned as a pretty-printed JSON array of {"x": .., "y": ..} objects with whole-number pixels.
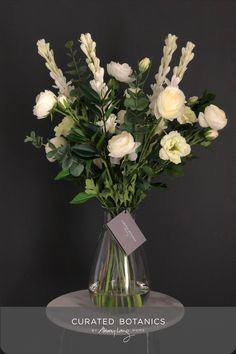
[{"x": 46, "y": 245}]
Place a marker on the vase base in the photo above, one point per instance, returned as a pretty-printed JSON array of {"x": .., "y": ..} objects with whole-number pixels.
[{"x": 120, "y": 298}]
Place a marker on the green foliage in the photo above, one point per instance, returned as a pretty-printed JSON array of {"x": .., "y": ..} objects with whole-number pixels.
[
  {"x": 36, "y": 141},
  {"x": 84, "y": 157},
  {"x": 62, "y": 174},
  {"x": 81, "y": 198}
]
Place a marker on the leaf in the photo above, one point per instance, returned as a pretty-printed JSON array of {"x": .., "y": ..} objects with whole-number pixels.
[
  {"x": 174, "y": 170},
  {"x": 62, "y": 174},
  {"x": 81, "y": 198},
  {"x": 91, "y": 187},
  {"x": 142, "y": 104},
  {"x": 76, "y": 169},
  {"x": 67, "y": 162},
  {"x": 85, "y": 150},
  {"x": 148, "y": 171}
]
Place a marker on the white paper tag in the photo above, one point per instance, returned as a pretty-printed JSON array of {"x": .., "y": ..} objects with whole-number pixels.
[{"x": 126, "y": 232}]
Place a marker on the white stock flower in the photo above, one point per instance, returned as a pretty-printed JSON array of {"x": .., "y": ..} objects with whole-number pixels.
[
  {"x": 213, "y": 117},
  {"x": 121, "y": 145},
  {"x": 45, "y": 102},
  {"x": 188, "y": 116},
  {"x": 170, "y": 103},
  {"x": 121, "y": 116},
  {"x": 57, "y": 142},
  {"x": 121, "y": 72},
  {"x": 88, "y": 46},
  {"x": 186, "y": 57},
  {"x": 55, "y": 73},
  {"x": 110, "y": 124},
  {"x": 174, "y": 146},
  {"x": 211, "y": 134},
  {"x": 64, "y": 127},
  {"x": 144, "y": 64}
]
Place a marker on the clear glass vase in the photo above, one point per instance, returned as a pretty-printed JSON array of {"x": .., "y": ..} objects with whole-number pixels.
[{"x": 117, "y": 280}]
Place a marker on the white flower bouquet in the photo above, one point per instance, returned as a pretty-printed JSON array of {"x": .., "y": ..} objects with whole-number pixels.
[{"x": 112, "y": 137}]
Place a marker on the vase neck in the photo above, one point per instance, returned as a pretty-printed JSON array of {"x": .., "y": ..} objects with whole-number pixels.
[{"x": 108, "y": 216}]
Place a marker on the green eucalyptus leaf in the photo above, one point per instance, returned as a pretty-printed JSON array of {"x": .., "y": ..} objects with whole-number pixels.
[{"x": 76, "y": 169}]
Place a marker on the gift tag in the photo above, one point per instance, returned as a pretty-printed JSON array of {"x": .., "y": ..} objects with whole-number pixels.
[{"x": 126, "y": 232}]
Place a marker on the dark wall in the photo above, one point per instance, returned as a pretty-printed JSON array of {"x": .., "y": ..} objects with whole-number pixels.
[{"x": 46, "y": 245}]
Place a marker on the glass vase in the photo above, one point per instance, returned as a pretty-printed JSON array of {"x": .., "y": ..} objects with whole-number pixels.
[{"x": 117, "y": 280}]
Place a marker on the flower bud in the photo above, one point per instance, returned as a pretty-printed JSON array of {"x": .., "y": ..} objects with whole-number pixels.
[
  {"x": 192, "y": 100},
  {"x": 211, "y": 134},
  {"x": 144, "y": 64},
  {"x": 63, "y": 102}
]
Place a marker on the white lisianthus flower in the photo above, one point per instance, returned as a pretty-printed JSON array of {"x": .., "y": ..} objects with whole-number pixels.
[
  {"x": 57, "y": 142},
  {"x": 45, "y": 102},
  {"x": 110, "y": 124},
  {"x": 64, "y": 127},
  {"x": 63, "y": 101},
  {"x": 121, "y": 72},
  {"x": 188, "y": 116},
  {"x": 121, "y": 145},
  {"x": 144, "y": 64},
  {"x": 213, "y": 117},
  {"x": 170, "y": 103},
  {"x": 121, "y": 116},
  {"x": 211, "y": 134},
  {"x": 174, "y": 146}
]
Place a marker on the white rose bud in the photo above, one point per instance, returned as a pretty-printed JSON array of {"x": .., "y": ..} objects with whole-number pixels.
[
  {"x": 57, "y": 142},
  {"x": 64, "y": 127},
  {"x": 170, "y": 103},
  {"x": 45, "y": 102},
  {"x": 144, "y": 64},
  {"x": 63, "y": 101},
  {"x": 213, "y": 117},
  {"x": 121, "y": 145},
  {"x": 121, "y": 72},
  {"x": 211, "y": 134},
  {"x": 188, "y": 116},
  {"x": 174, "y": 146}
]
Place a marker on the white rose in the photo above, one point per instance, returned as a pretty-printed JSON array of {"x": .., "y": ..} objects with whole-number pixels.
[
  {"x": 211, "y": 134},
  {"x": 213, "y": 117},
  {"x": 57, "y": 142},
  {"x": 121, "y": 116},
  {"x": 121, "y": 72},
  {"x": 63, "y": 101},
  {"x": 174, "y": 146},
  {"x": 121, "y": 145},
  {"x": 188, "y": 116},
  {"x": 162, "y": 125},
  {"x": 144, "y": 64},
  {"x": 110, "y": 124},
  {"x": 45, "y": 102},
  {"x": 64, "y": 127},
  {"x": 170, "y": 103}
]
